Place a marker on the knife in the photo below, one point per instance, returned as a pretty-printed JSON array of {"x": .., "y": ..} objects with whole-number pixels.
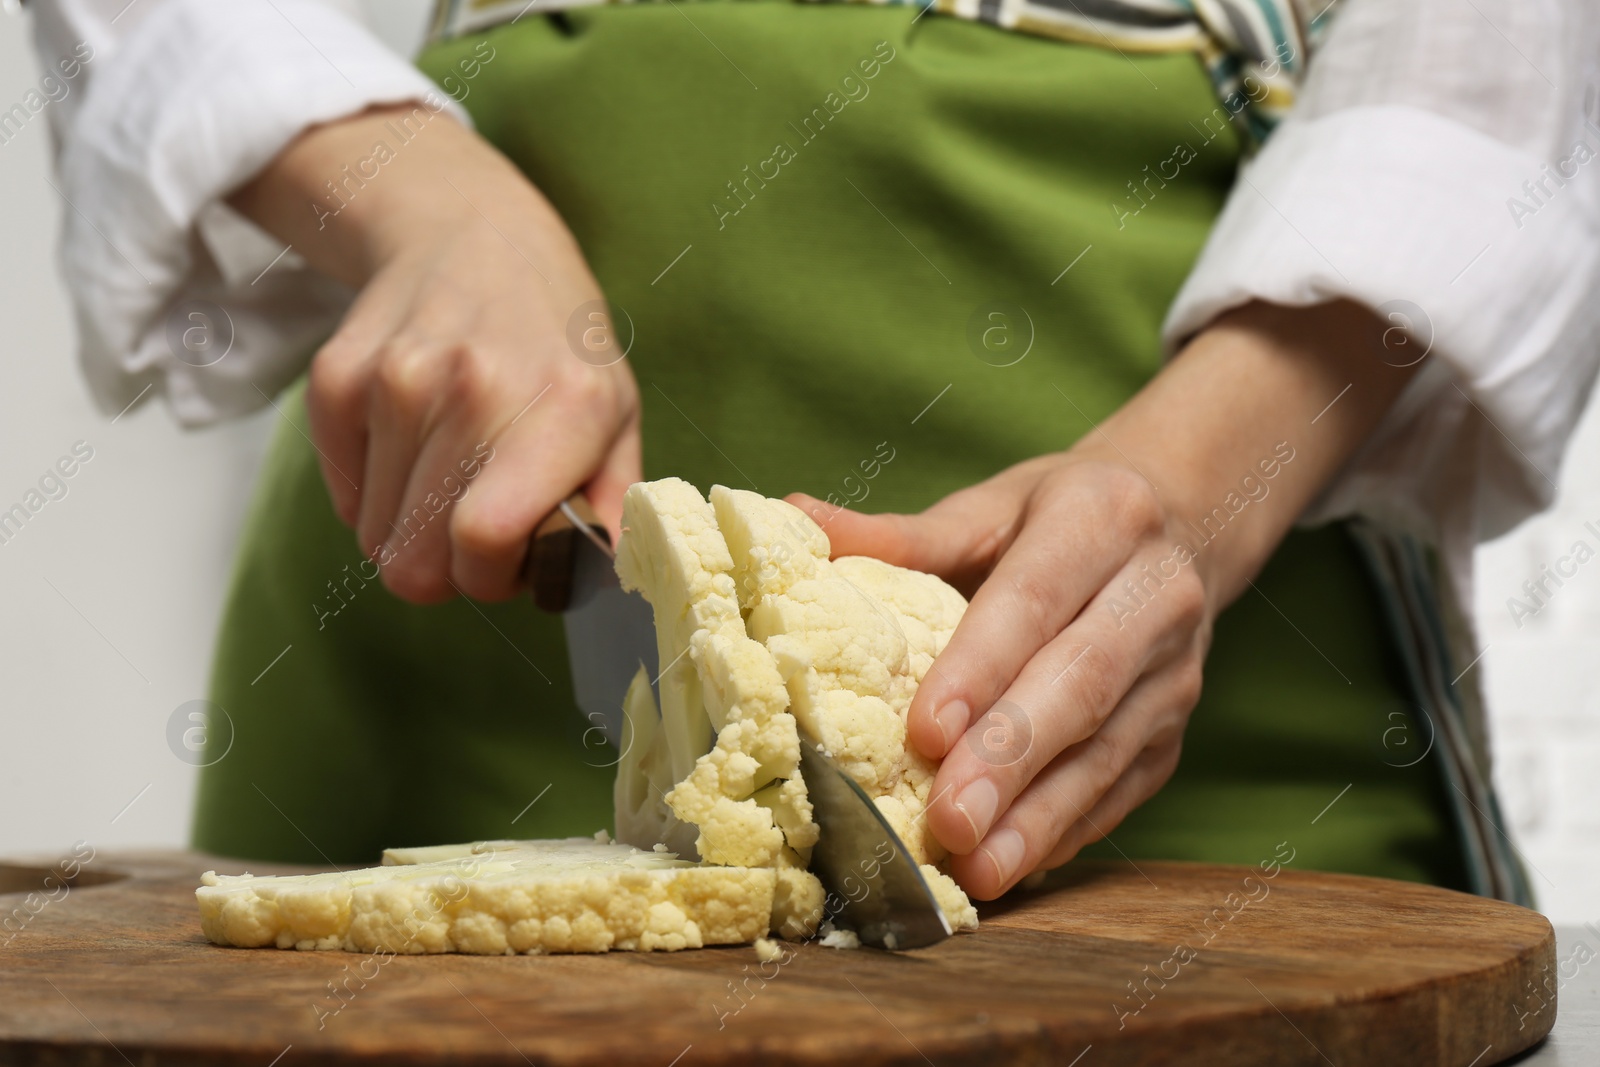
[
  {"x": 863, "y": 864},
  {"x": 572, "y": 569},
  {"x": 873, "y": 883}
]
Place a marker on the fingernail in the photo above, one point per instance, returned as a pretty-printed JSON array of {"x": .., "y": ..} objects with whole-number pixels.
[
  {"x": 1004, "y": 849},
  {"x": 952, "y": 720},
  {"x": 978, "y": 802}
]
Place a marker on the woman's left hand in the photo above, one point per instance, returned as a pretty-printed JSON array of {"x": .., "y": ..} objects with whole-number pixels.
[{"x": 1060, "y": 703}]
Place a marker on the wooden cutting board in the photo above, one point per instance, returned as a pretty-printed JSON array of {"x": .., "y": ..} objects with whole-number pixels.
[{"x": 1301, "y": 968}]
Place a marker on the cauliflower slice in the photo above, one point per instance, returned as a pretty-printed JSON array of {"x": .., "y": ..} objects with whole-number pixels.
[
  {"x": 496, "y": 898},
  {"x": 725, "y": 733},
  {"x": 674, "y": 556},
  {"x": 644, "y": 776}
]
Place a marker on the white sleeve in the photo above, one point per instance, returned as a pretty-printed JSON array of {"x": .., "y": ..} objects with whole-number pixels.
[
  {"x": 172, "y": 104},
  {"x": 1439, "y": 168}
]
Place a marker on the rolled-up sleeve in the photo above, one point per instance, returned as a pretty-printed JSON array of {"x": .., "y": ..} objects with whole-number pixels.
[
  {"x": 1440, "y": 168},
  {"x": 177, "y": 104}
]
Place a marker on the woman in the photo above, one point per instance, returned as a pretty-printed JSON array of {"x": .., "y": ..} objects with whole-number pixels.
[{"x": 891, "y": 258}]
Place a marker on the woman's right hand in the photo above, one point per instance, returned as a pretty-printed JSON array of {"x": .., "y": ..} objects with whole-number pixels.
[{"x": 473, "y": 385}]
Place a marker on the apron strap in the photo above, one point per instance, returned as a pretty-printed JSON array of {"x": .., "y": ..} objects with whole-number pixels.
[{"x": 1423, "y": 618}]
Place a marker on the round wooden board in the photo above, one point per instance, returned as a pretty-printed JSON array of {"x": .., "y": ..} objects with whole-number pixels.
[{"x": 1317, "y": 969}]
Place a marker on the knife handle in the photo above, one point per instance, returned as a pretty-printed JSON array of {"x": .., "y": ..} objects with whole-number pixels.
[{"x": 548, "y": 568}]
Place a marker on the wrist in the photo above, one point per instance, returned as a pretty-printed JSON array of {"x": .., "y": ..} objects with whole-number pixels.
[
  {"x": 378, "y": 206},
  {"x": 355, "y": 195},
  {"x": 1248, "y": 425}
]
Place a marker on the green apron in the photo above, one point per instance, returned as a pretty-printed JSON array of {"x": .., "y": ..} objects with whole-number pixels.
[{"x": 810, "y": 215}]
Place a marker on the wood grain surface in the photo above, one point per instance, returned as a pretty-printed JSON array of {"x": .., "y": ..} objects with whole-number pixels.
[{"x": 1299, "y": 968}]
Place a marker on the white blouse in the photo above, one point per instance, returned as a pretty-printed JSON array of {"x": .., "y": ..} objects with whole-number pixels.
[{"x": 1439, "y": 167}]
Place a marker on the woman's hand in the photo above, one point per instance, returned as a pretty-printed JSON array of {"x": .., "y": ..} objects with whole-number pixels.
[
  {"x": 1059, "y": 704},
  {"x": 450, "y": 410}
]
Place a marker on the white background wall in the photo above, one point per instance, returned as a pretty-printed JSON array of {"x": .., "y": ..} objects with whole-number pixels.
[
  {"x": 110, "y": 596},
  {"x": 1543, "y": 686}
]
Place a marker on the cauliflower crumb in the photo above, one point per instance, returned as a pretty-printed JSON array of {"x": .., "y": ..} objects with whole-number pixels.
[
  {"x": 840, "y": 938},
  {"x": 768, "y": 951}
]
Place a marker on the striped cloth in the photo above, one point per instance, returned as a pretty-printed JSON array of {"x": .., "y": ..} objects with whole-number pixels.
[
  {"x": 1254, "y": 50},
  {"x": 1432, "y": 637}
]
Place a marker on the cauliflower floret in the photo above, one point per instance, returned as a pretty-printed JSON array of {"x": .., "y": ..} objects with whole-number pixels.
[
  {"x": 839, "y": 938},
  {"x": 740, "y": 679},
  {"x": 718, "y": 798},
  {"x": 862, "y": 733},
  {"x": 791, "y": 811},
  {"x": 672, "y": 548},
  {"x": 951, "y": 900},
  {"x": 798, "y": 901},
  {"x": 914, "y": 596},
  {"x": 854, "y": 642},
  {"x": 774, "y": 544}
]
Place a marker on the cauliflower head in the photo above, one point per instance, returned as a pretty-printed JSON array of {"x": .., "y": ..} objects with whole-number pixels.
[{"x": 767, "y": 638}]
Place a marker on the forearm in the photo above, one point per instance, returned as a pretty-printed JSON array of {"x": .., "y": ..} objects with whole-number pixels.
[
  {"x": 348, "y": 206},
  {"x": 468, "y": 280},
  {"x": 1250, "y": 422}
]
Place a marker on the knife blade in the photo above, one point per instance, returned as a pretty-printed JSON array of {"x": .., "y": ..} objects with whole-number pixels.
[
  {"x": 863, "y": 864},
  {"x": 571, "y": 566}
]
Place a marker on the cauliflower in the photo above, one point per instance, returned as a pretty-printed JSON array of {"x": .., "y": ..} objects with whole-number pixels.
[
  {"x": 759, "y": 634},
  {"x": 833, "y": 937},
  {"x": 496, "y": 898},
  {"x": 837, "y": 648},
  {"x": 724, "y": 734}
]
